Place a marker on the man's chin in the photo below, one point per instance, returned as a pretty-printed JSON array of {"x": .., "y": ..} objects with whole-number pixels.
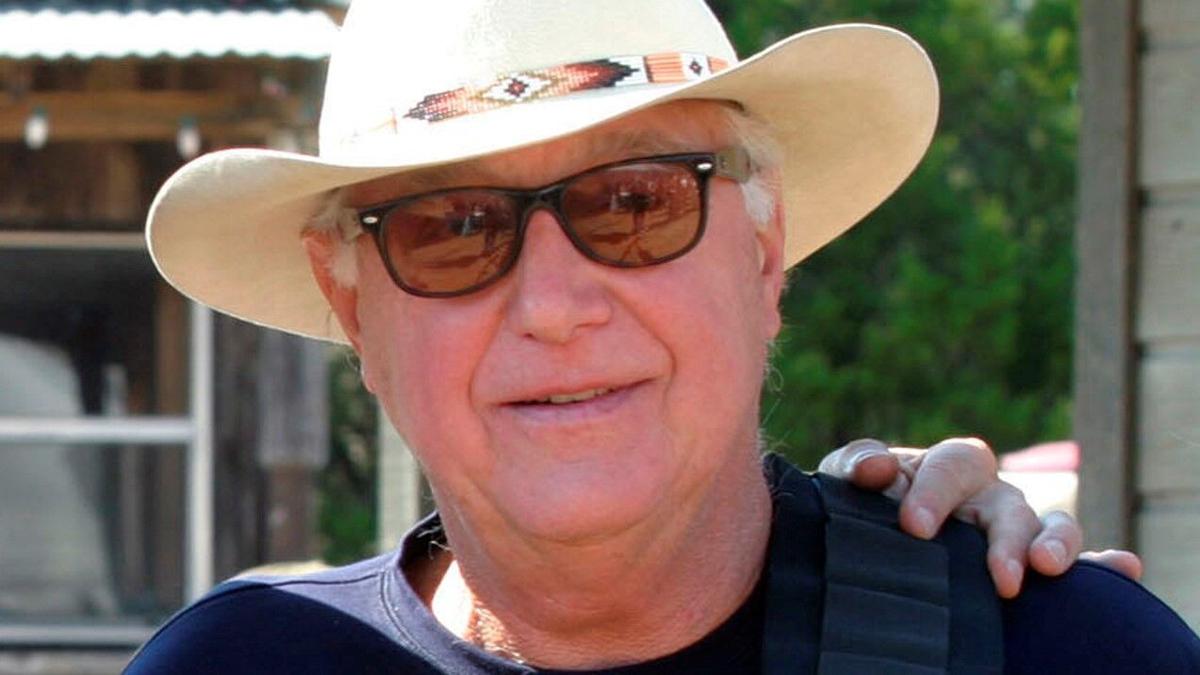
[{"x": 585, "y": 507}]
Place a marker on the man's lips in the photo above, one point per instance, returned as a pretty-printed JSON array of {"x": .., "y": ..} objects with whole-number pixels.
[
  {"x": 575, "y": 397},
  {"x": 575, "y": 404},
  {"x": 569, "y": 394}
]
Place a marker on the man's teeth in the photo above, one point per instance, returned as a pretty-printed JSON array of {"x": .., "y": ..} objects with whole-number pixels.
[{"x": 574, "y": 398}]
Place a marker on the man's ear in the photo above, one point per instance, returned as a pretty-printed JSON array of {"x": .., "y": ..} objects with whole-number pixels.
[
  {"x": 771, "y": 266},
  {"x": 322, "y": 247}
]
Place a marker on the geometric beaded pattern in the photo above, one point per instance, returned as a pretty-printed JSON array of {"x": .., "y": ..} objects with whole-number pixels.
[{"x": 543, "y": 83}]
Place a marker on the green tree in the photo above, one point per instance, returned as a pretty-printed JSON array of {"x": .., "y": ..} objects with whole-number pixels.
[
  {"x": 947, "y": 311},
  {"x": 346, "y": 516}
]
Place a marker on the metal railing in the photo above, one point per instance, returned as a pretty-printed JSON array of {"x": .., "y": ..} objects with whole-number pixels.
[{"x": 75, "y": 635}]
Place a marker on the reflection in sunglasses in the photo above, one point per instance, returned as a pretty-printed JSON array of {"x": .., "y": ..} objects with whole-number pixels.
[{"x": 628, "y": 214}]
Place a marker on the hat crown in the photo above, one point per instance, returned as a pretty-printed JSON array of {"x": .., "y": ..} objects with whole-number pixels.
[{"x": 391, "y": 54}]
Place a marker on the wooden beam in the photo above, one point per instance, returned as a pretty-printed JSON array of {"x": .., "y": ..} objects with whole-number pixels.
[
  {"x": 1105, "y": 251},
  {"x": 144, "y": 115},
  {"x": 68, "y": 241}
]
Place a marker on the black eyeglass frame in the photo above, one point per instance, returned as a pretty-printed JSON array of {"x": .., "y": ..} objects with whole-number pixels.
[{"x": 732, "y": 163}]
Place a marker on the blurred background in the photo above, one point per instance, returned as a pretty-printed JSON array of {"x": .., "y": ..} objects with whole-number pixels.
[{"x": 1035, "y": 283}]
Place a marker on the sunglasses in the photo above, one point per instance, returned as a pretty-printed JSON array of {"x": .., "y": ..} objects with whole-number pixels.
[{"x": 633, "y": 213}]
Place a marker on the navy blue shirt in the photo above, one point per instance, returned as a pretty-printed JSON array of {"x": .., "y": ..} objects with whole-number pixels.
[{"x": 365, "y": 618}]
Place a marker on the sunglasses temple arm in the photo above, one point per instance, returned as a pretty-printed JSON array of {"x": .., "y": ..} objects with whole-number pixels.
[{"x": 734, "y": 163}]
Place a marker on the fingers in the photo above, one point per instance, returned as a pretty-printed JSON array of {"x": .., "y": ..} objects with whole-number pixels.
[
  {"x": 946, "y": 478},
  {"x": 1058, "y": 544},
  {"x": 958, "y": 476},
  {"x": 1011, "y": 526},
  {"x": 865, "y": 462},
  {"x": 1120, "y": 561}
]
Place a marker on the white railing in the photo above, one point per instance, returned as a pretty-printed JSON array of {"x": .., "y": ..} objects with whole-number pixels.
[{"x": 88, "y": 430}]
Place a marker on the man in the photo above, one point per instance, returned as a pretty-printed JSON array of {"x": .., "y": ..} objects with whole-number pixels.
[{"x": 556, "y": 233}]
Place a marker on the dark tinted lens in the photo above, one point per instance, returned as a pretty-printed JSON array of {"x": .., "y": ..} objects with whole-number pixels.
[
  {"x": 635, "y": 214},
  {"x": 450, "y": 242}
]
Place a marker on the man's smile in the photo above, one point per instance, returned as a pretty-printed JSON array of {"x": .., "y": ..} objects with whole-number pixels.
[
  {"x": 560, "y": 399},
  {"x": 574, "y": 405}
]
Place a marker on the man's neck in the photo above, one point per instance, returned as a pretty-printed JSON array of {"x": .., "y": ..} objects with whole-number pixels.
[{"x": 628, "y": 599}]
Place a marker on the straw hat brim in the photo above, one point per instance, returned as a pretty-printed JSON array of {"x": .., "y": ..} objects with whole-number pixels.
[{"x": 854, "y": 107}]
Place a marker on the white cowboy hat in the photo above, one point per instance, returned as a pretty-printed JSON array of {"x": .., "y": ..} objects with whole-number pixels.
[{"x": 415, "y": 84}]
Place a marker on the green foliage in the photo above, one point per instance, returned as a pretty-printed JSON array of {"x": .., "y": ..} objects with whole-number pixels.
[
  {"x": 346, "y": 515},
  {"x": 948, "y": 311}
]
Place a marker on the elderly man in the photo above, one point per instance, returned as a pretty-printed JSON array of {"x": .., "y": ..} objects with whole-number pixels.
[{"x": 556, "y": 233}]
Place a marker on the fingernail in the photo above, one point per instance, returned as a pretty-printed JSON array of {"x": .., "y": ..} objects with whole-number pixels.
[
  {"x": 864, "y": 449},
  {"x": 858, "y": 459},
  {"x": 926, "y": 527},
  {"x": 1016, "y": 569},
  {"x": 1056, "y": 550}
]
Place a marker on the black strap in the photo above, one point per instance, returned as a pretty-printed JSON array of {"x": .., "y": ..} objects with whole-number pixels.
[
  {"x": 782, "y": 649},
  {"x": 893, "y": 605},
  {"x": 887, "y": 595}
]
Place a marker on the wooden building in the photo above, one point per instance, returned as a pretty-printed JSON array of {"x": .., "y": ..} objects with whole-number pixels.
[
  {"x": 147, "y": 447},
  {"x": 1137, "y": 360}
]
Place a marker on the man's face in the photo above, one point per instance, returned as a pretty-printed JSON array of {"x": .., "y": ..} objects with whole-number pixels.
[{"x": 671, "y": 355}]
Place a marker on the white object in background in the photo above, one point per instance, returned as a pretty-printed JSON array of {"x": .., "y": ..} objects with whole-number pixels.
[
  {"x": 1047, "y": 473},
  {"x": 54, "y": 559}
]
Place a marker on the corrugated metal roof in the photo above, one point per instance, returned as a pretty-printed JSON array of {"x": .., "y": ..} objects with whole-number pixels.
[
  {"x": 160, "y": 5},
  {"x": 56, "y": 34}
]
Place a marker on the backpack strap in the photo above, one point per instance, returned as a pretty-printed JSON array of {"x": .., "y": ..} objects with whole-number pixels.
[{"x": 893, "y": 605}]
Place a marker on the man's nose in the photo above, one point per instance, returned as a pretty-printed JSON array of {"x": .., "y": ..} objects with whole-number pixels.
[{"x": 557, "y": 291}]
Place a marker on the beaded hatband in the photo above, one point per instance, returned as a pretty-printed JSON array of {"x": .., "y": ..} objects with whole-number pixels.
[{"x": 543, "y": 83}]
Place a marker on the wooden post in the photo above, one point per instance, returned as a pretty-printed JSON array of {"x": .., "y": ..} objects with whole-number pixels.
[
  {"x": 293, "y": 439},
  {"x": 237, "y": 483},
  {"x": 273, "y": 423},
  {"x": 166, "y": 507},
  {"x": 1104, "y": 250}
]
